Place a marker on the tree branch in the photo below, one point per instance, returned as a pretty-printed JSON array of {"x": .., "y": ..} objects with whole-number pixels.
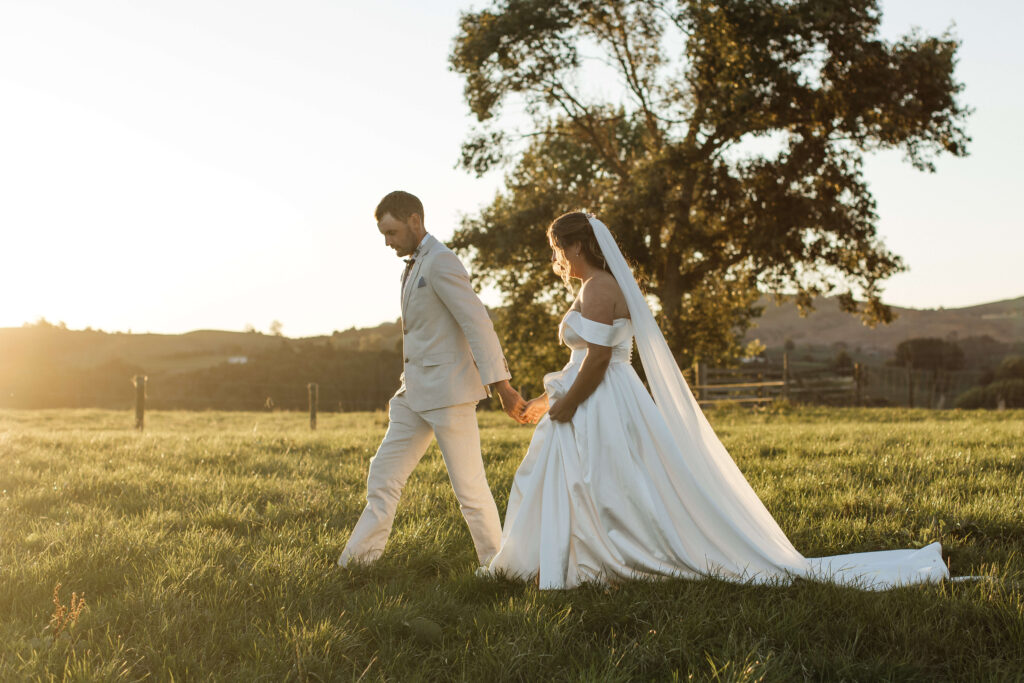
[{"x": 585, "y": 120}]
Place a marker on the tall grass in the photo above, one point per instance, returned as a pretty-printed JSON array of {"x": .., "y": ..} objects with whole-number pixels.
[{"x": 206, "y": 545}]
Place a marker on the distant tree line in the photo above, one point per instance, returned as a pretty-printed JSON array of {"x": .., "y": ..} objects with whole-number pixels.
[
  {"x": 278, "y": 379},
  {"x": 275, "y": 379},
  {"x": 1004, "y": 388},
  {"x": 929, "y": 353},
  {"x": 48, "y": 366}
]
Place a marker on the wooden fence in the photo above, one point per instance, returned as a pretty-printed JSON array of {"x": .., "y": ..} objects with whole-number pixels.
[
  {"x": 860, "y": 385},
  {"x": 752, "y": 384},
  {"x": 139, "y": 381},
  {"x": 749, "y": 385}
]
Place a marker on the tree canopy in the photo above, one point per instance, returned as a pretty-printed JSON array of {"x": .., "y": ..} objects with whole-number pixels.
[
  {"x": 727, "y": 159},
  {"x": 929, "y": 353}
]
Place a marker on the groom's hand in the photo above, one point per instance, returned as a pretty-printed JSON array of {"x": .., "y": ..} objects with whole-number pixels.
[{"x": 511, "y": 402}]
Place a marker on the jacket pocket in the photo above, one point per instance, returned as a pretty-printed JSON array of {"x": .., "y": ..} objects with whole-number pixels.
[{"x": 438, "y": 359}]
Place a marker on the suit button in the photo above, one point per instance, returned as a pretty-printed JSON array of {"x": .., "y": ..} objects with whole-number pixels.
[{"x": 406, "y": 360}]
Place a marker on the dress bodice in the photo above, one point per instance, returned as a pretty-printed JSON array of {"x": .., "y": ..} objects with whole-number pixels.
[{"x": 575, "y": 331}]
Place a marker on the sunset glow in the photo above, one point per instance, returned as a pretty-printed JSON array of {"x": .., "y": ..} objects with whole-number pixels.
[{"x": 175, "y": 166}]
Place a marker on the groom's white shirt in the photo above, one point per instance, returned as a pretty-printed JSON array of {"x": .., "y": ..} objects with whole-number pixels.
[{"x": 450, "y": 350}]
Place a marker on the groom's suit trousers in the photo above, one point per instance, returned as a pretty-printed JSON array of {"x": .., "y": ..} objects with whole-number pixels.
[{"x": 408, "y": 435}]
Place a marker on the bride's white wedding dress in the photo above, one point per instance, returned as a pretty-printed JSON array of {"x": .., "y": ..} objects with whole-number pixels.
[{"x": 635, "y": 486}]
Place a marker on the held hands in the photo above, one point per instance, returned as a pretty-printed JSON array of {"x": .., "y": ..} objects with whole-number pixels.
[
  {"x": 534, "y": 409},
  {"x": 530, "y": 412},
  {"x": 511, "y": 401}
]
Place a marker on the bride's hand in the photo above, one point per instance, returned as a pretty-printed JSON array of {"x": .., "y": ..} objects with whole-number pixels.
[
  {"x": 534, "y": 409},
  {"x": 561, "y": 411}
]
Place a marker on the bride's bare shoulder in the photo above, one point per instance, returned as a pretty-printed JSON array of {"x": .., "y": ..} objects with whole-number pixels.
[{"x": 601, "y": 298}]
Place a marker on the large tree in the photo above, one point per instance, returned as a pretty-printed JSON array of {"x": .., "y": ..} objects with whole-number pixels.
[
  {"x": 929, "y": 353},
  {"x": 725, "y": 154}
]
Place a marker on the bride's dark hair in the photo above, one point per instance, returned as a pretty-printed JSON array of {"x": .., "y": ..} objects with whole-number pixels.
[{"x": 571, "y": 229}]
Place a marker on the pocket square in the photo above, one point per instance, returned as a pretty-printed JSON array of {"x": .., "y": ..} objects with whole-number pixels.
[{"x": 421, "y": 283}]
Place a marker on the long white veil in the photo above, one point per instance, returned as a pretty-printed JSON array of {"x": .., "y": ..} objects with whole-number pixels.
[{"x": 747, "y": 528}]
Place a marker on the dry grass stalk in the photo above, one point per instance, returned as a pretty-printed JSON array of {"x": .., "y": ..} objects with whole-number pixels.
[{"x": 65, "y": 616}]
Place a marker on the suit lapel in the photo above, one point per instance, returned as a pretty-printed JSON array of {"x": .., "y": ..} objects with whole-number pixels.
[{"x": 410, "y": 283}]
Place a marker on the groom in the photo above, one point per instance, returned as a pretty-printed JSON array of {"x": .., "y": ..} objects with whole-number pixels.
[{"x": 451, "y": 354}]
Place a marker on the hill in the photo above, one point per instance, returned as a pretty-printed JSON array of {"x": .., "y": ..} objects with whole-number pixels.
[
  {"x": 157, "y": 353},
  {"x": 47, "y": 366},
  {"x": 1002, "y": 321}
]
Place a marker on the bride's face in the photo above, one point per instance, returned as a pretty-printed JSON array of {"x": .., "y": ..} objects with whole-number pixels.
[{"x": 565, "y": 263}]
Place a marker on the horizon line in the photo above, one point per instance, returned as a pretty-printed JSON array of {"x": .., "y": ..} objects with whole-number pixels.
[{"x": 43, "y": 321}]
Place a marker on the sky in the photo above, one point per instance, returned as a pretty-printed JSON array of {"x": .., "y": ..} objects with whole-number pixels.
[{"x": 167, "y": 166}]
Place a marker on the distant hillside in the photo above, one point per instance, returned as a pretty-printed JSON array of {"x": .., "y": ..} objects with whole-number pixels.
[
  {"x": 43, "y": 366},
  {"x": 154, "y": 352},
  {"x": 1003, "y": 321},
  {"x": 158, "y": 353}
]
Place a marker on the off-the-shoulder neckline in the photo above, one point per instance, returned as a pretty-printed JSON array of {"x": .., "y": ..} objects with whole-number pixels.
[{"x": 589, "y": 320}]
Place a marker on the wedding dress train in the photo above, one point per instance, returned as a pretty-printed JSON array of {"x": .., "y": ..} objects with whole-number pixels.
[{"x": 640, "y": 486}]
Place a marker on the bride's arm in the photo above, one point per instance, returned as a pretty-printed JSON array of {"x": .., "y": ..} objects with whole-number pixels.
[
  {"x": 590, "y": 375},
  {"x": 597, "y": 299}
]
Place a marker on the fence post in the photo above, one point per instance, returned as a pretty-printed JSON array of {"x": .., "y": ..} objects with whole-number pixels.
[
  {"x": 910, "y": 384},
  {"x": 314, "y": 400},
  {"x": 785, "y": 375},
  {"x": 696, "y": 379},
  {"x": 140, "y": 401},
  {"x": 858, "y": 383}
]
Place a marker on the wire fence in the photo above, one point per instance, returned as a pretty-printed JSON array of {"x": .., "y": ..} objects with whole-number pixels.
[
  {"x": 861, "y": 385},
  {"x": 226, "y": 396}
]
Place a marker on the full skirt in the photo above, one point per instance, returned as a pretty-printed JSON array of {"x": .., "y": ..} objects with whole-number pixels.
[{"x": 610, "y": 495}]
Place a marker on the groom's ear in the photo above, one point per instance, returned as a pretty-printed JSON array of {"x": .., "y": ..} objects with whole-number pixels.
[{"x": 415, "y": 221}]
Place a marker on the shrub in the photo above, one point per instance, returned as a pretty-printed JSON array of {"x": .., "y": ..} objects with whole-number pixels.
[
  {"x": 1012, "y": 367},
  {"x": 1010, "y": 390},
  {"x": 843, "y": 361}
]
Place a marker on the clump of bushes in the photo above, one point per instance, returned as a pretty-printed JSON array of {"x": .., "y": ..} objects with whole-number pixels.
[
  {"x": 1007, "y": 389},
  {"x": 1010, "y": 390},
  {"x": 1012, "y": 367}
]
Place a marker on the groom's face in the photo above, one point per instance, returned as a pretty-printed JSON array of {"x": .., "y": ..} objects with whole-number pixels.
[{"x": 402, "y": 236}]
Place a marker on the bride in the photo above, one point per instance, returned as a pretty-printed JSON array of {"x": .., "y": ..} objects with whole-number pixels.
[{"x": 617, "y": 484}]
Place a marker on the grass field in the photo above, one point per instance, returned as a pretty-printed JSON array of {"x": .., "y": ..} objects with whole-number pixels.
[{"x": 205, "y": 548}]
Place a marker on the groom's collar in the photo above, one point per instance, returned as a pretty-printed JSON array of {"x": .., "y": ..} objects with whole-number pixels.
[{"x": 423, "y": 247}]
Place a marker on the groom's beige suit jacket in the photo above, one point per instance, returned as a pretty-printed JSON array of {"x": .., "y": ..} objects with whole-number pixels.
[{"x": 450, "y": 350}]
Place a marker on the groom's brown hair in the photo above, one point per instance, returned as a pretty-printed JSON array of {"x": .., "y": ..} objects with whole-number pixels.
[{"x": 400, "y": 205}]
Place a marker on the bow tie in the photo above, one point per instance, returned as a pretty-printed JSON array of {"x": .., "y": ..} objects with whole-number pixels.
[{"x": 408, "y": 267}]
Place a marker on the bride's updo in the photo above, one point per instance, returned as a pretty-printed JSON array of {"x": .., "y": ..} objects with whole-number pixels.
[{"x": 571, "y": 229}]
